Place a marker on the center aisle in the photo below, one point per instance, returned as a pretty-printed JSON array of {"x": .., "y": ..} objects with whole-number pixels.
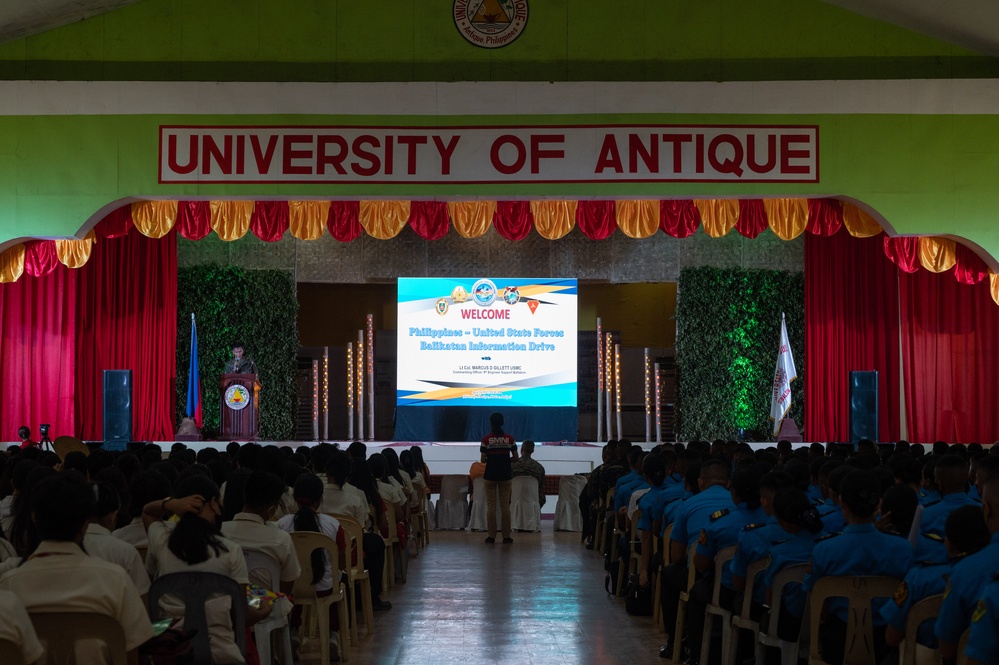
[{"x": 539, "y": 601}]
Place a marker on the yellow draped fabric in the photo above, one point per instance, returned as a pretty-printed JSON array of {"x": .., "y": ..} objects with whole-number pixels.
[
  {"x": 637, "y": 219},
  {"x": 12, "y": 264},
  {"x": 788, "y": 217},
  {"x": 994, "y": 287},
  {"x": 937, "y": 254},
  {"x": 554, "y": 219},
  {"x": 471, "y": 219},
  {"x": 858, "y": 223},
  {"x": 383, "y": 219},
  {"x": 231, "y": 219},
  {"x": 75, "y": 253},
  {"x": 718, "y": 216},
  {"x": 307, "y": 219},
  {"x": 154, "y": 219}
]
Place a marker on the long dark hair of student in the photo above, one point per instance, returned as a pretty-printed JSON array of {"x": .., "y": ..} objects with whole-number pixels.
[
  {"x": 23, "y": 533},
  {"x": 308, "y": 495},
  {"x": 232, "y": 502},
  {"x": 379, "y": 469},
  {"x": 193, "y": 535},
  {"x": 418, "y": 462},
  {"x": 392, "y": 465},
  {"x": 362, "y": 478},
  {"x": 406, "y": 463}
]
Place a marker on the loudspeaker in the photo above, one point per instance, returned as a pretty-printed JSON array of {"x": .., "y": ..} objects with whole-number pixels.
[
  {"x": 118, "y": 405},
  {"x": 863, "y": 406}
]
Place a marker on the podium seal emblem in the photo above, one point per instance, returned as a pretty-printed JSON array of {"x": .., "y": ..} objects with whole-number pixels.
[
  {"x": 490, "y": 23},
  {"x": 237, "y": 397}
]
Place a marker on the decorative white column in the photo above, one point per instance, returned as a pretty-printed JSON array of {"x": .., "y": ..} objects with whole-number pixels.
[
  {"x": 608, "y": 382},
  {"x": 659, "y": 403},
  {"x": 600, "y": 382},
  {"x": 360, "y": 385},
  {"x": 371, "y": 376},
  {"x": 326, "y": 393},
  {"x": 648, "y": 398},
  {"x": 617, "y": 388},
  {"x": 315, "y": 399},
  {"x": 350, "y": 391}
]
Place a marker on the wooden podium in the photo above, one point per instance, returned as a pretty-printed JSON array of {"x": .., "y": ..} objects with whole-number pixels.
[{"x": 239, "y": 400}]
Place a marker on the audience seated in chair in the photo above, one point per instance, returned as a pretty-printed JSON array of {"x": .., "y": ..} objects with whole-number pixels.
[{"x": 526, "y": 465}]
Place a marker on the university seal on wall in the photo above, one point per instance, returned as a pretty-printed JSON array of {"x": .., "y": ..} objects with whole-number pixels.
[
  {"x": 237, "y": 397},
  {"x": 490, "y": 23}
]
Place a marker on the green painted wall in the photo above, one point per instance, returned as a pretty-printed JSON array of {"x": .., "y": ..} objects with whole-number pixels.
[
  {"x": 415, "y": 40},
  {"x": 925, "y": 174}
]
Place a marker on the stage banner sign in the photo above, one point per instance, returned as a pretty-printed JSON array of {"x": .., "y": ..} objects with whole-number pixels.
[
  {"x": 494, "y": 342},
  {"x": 488, "y": 154}
]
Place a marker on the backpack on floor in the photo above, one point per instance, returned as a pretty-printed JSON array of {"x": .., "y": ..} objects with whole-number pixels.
[{"x": 638, "y": 599}]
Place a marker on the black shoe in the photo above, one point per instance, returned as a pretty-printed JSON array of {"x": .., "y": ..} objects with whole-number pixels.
[
  {"x": 490, "y": 540},
  {"x": 507, "y": 541},
  {"x": 379, "y": 605},
  {"x": 666, "y": 651}
]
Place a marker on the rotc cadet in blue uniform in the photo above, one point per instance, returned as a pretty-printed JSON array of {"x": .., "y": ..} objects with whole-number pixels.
[
  {"x": 860, "y": 550},
  {"x": 650, "y": 504},
  {"x": 692, "y": 516},
  {"x": 965, "y": 534},
  {"x": 983, "y": 643},
  {"x": 929, "y": 495},
  {"x": 951, "y": 477},
  {"x": 721, "y": 531},
  {"x": 815, "y": 487},
  {"x": 801, "y": 530},
  {"x": 675, "y": 496},
  {"x": 831, "y": 513},
  {"x": 627, "y": 483},
  {"x": 969, "y": 578},
  {"x": 755, "y": 539}
]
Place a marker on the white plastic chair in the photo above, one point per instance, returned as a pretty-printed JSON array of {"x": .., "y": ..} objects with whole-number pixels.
[
  {"x": 714, "y": 608},
  {"x": 305, "y": 594},
  {"x": 525, "y": 505},
  {"x": 60, "y": 631},
  {"x": 477, "y": 518},
  {"x": 768, "y": 634},
  {"x": 452, "y": 506},
  {"x": 567, "y": 515},
  {"x": 744, "y": 620},
  {"x": 260, "y": 562}
]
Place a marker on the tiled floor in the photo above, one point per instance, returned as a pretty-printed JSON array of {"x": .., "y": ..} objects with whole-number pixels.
[{"x": 539, "y": 601}]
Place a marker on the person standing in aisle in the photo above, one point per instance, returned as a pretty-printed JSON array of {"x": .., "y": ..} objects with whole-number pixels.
[{"x": 498, "y": 450}]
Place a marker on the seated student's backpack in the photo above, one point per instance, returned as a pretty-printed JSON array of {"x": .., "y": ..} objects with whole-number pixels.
[{"x": 638, "y": 599}]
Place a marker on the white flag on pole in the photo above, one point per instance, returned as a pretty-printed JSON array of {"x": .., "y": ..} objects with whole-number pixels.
[{"x": 780, "y": 401}]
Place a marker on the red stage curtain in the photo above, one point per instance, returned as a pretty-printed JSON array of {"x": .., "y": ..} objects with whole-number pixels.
[
  {"x": 127, "y": 319},
  {"x": 344, "y": 220},
  {"x": 38, "y": 353},
  {"x": 116, "y": 224},
  {"x": 678, "y": 217},
  {"x": 969, "y": 269},
  {"x": 270, "y": 220},
  {"x": 949, "y": 333},
  {"x": 596, "y": 219},
  {"x": 513, "y": 219},
  {"x": 851, "y": 323},
  {"x": 430, "y": 219},
  {"x": 903, "y": 252},
  {"x": 825, "y": 216},
  {"x": 40, "y": 258},
  {"x": 194, "y": 219},
  {"x": 753, "y": 218}
]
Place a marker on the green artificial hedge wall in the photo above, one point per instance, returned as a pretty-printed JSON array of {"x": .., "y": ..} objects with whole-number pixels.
[
  {"x": 256, "y": 307},
  {"x": 727, "y": 335}
]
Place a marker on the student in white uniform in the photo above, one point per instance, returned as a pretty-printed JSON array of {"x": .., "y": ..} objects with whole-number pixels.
[
  {"x": 60, "y": 577},
  {"x": 193, "y": 543},
  {"x": 16, "y": 628},
  {"x": 145, "y": 487},
  {"x": 100, "y": 543}
]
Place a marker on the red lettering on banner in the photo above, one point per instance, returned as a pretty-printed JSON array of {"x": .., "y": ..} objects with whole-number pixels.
[
  {"x": 609, "y": 157},
  {"x": 503, "y": 154},
  {"x": 445, "y": 151},
  {"x": 290, "y": 153},
  {"x": 494, "y": 154}
]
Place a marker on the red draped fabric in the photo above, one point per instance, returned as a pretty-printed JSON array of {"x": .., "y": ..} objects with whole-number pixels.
[
  {"x": 430, "y": 219},
  {"x": 126, "y": 313},
  {"x": 596, "y": 219},
  {"x": 969, "y": 269},
  {"x": 825, "y": 216},
  {"x": 949, "y": 333},
  {"x": 513, "y": 219},
  {"x": 903, "y": 252},
  {"x": 851, "y": 323},
  {"x": 38, "y": 353},
  {"x": 269, "y": 220},
  {"x": 194, "y": 219},
  {"x": 343, "y": 221},
  {"x": 678, "y": 217},
  {"x": 753, "y": 218},
  {"x": 40, "y": 258},
  {"x": 116, "y": 224}
]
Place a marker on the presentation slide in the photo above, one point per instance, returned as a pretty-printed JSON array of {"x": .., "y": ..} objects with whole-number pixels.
[{"x": 490, "y": 342}]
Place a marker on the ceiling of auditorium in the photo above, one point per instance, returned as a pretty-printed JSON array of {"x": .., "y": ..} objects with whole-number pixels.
[{"x": 972, "y": 24}]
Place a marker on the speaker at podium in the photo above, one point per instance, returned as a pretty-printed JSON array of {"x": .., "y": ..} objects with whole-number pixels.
[{"x": 863, "y": 406}]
